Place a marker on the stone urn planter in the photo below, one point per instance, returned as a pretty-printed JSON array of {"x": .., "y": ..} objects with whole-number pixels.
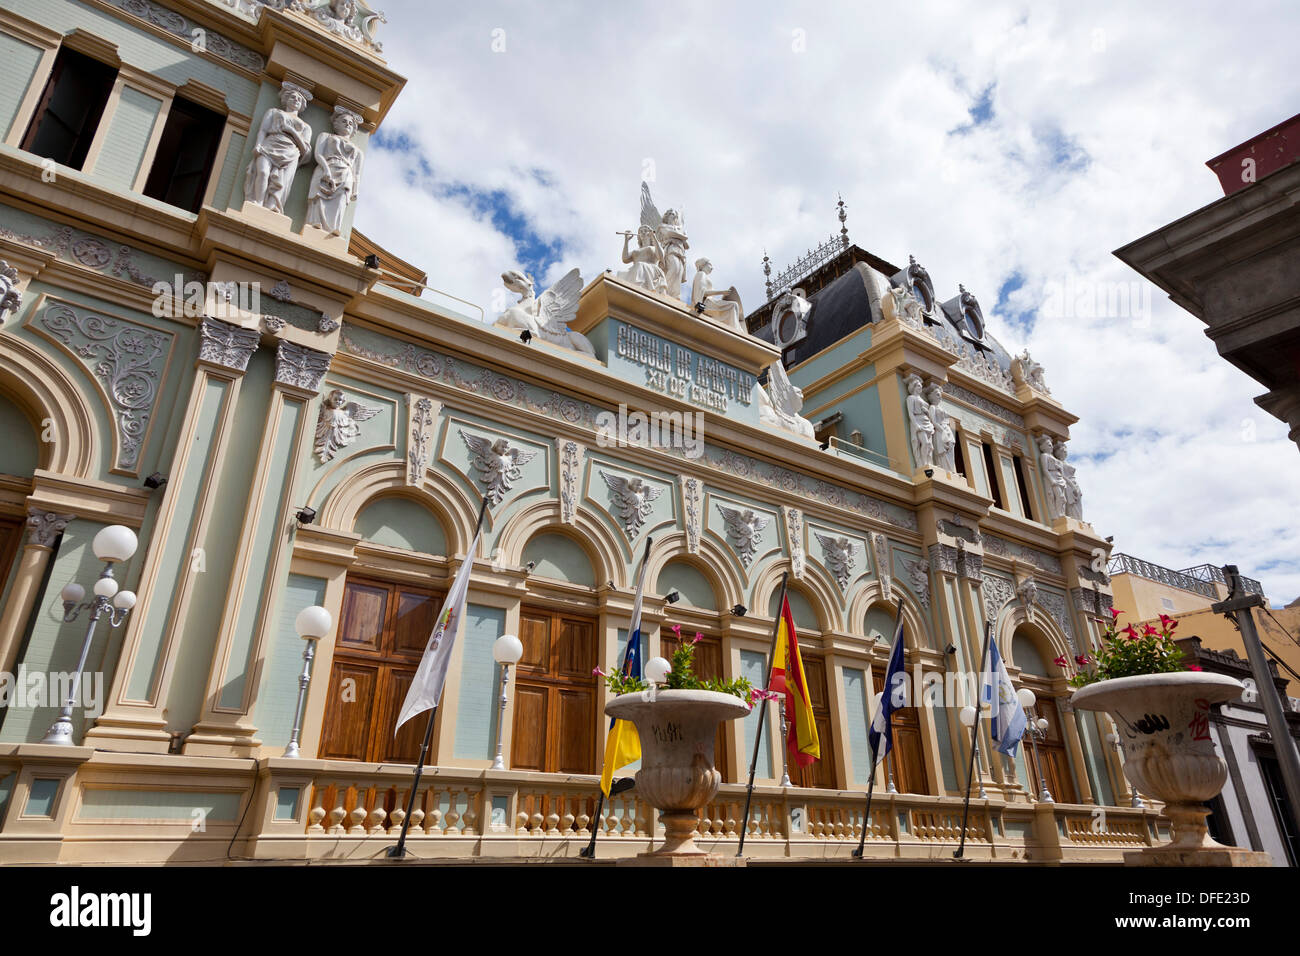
[
  {"x": 1163, "y": 722},
  {"x": 677, "y": 775}
]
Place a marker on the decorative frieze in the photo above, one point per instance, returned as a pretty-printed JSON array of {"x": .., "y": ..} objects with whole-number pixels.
[
  {"x": 943, "y": 559},
  {"x": 128, "y": 360},
  {"x": 884, "y": 570},
  {"x": 44, "y": 527},
  {"x": 423, "y": 414},
  {"x": 838, "y": 554},
  {"x": 11, "y": 299},
  {"x": 212, "y": 42},
  {"x": 94, "y": 253},
  {"x": 1092, "y": 602},
  {"x": 1000, "y": 412},
  {"x": 744, "y": 531},
  {"x": 969, "y": 564},
  {"x": 571, "y": 457},
  {"x": 631, "y": 501},
  {"x": 300, "y": 367},
  {"x": 229, "y": 346},
  {"x": 998, "y": 593},
  {"x": 1054, "y": 603},
  {"x": 794, "y": 539},
  {"x": 692, "y": 498},
  {"x": 499, "y": 465},
  {"x": 1099, "y": 578},
  {"x": 339, "y": 424},
  {"x": 1003, "y": 548}
]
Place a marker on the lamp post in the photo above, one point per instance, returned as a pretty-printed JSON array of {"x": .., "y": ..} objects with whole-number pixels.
[
  {"x": 111, "y": 545},
  {"x": 312, "y": 623},
  {"x": 506, "y": 650},
  {"x": 967, "y": 717},
  {"x": 1036, "y": 728},
  {"x": 1113, "y": 739}
]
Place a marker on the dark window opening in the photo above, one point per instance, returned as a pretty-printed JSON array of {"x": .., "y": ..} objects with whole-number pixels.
[
  {"x": 70, "y": 109},
  {"x": 186, "y": 153},
  {"x": 992, "y": 475},
  {"x": 959, "y": 456},
  {"x": 1023, "y": 485},
  {"x": 1272, "y": 773}
]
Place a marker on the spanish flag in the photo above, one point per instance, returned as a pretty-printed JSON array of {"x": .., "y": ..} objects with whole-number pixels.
[
  {"x": 624, "y": 746},
  {"x": 788, "y": 679}
]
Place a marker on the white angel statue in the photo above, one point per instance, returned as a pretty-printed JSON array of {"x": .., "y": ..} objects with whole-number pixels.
[
  {"x": 780, "y": 402},
  {"x": 839, "y": 554},
  {"x": 670, "y": 235},
  {"x": 547, "y": 317},
  {"x": 337, "y": 426},
  {"x": 498, "y": 465},
  {"x": 744, "y": 529},
  {"x": 633, "y": 500}
]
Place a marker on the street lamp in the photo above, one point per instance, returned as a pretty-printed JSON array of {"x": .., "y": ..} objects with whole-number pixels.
[
  {"x": 1113, "y": 739},
  {"x": 1036, "y": 727},
  {"x": 111, "y": 545},
  {"x": 312, "y": 623},
  {"x": 967, "y": 717},
  {"x": 656, "y": 672},
  {"x": 506, "y": 650}
]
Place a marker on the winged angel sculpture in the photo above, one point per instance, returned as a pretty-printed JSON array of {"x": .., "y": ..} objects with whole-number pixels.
[
  {"x": 659, "y": 262},
  {"x": 498, "y": 465},
  {"x": 779, "y": 404},
  {"x": 744, "y": 528},
  {"x": 633, "y": 500},
  {"x": 337, "y": 426},
  {"x": 547, "y": 317},
  {"x": 839, "y": 554}
]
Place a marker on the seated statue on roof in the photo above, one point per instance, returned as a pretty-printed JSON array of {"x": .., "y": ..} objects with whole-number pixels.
[
  {"x": 721, "y": 305},
  {"x": 779, "y": 404}
]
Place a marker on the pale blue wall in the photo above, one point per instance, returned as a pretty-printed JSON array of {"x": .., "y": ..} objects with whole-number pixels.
[
  {"x": 880, "y": 621},
  {"x": 560, "y": 557},
  {"x": 277, "y": 692},
  {"x": 694, "y": 586},
  {"x": 857, "y": 703},
  {"x": 19, "y": 453},
  {"x": 751, "y": 666},
  {"x": 1025, "y": 655},
  {"x": 947, "y": 758},
  {"x": 804, "y": 615},
  {"x": 478, "y": 707},
  {"x": 17, "y": 67},
  {"x": 402, "y": 523},
  {"x": 128, "y": 138}
]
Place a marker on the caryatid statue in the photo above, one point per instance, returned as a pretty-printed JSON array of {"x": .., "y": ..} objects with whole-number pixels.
[
  {"x": 283, "y": 144},
  {"x": 945, "y": 442},
  {"x": 1073, "y": 493},
  {"x": 921, "y": 424},
  {"x": 724, "y": 306},
  {"x": 337, "y": 178},
  {"x": 1053, "y": 478}
]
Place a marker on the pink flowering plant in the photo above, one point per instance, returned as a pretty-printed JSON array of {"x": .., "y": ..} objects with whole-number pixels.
[
  {"x": 682, "y": 674},
  {"x": 1128, "y": 652}
]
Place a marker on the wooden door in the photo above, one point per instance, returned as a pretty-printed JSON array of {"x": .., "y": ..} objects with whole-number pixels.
[
  {"x": 11, "y": 541},
  {"x": 820, "y": 773},
  {"x": 1051, "y": 752},
  {"x": 555, "y": 694},
  {"x": 907, "y": 757},
  {"x": 708, "y": 663},
  {"x": 383, "y": 630}
]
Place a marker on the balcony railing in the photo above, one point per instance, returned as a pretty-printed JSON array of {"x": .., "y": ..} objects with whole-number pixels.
[
  {"x": 1208, "y": 572},
  {"x": 1127, "y": 564}
]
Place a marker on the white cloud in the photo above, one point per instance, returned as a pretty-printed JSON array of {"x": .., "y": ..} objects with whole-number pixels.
[{"x": 753, "y": 139}]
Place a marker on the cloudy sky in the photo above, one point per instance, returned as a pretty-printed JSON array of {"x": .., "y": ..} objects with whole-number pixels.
[{"x": 1008, "y": 146}]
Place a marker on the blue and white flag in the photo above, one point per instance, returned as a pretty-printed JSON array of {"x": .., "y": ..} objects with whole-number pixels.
[
  {"x": 892, "y": 698},
  {"x": 1006, "y": 716}
]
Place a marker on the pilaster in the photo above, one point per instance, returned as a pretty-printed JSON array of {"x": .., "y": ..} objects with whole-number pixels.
[{"x": 43, "y": 530}]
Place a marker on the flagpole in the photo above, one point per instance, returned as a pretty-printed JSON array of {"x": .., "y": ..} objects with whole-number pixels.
[
  {"x": 974, "y": 736},
  {"x": 399, "y": 851},
  {"x": 887, "y": 736},
  {"x": 762, "y": 714},
  {"x": 589, "y": 851}
]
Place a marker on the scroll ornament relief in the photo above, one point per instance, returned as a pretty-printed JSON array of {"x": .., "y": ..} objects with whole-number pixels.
[
  {"x": 424, "y": 412},
  {"x": 794, "y": 539},
  {"x": 692, "y": 495},
  {"x": 880, "y": 550},
  {"x": 11, "y": 299},
  {"x": 571, "y": 455}
]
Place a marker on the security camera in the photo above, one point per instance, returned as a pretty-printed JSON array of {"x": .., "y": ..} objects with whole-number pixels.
[
  {"x": 528, "y": 568},
  {"x": 156, "y": 480},
  {"x": 739, "y": 610},
  {"x": 673, "y": 596},
  {"x": 307, "y": 515}
]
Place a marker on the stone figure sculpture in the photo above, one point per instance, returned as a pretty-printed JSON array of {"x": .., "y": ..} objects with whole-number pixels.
[
  {"x": 780, "y": 402},
  {"x": 744, "y": 529},
  {"x": 337, "y": 178},
  {"x": 670, "y": 234},
  {"x": 338, "y": 426},
  {"x": 633, "y": 500},
  {"x": 1073, "y": 493},
  {"x": 724, "y": 306},
  {"x": 645, "y": 260},
  {"x": 1053, "y": 478},
  {"x": 945, "y": 442},
  {"x": 922, "y": 426},
  {"x": 1025, "y": 371},
  {"x": 283, "y": 144},
  {"x": 10, "y": 298},
  {"x": 547, "y": 317},
  {"x": 498, "y": 465},
  {"x": 838, "y": 553}
]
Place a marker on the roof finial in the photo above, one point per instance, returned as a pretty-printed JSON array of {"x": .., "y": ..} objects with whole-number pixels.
[
  {"x": 844, "y": 230},
  {"x": 767, "y": 273}
]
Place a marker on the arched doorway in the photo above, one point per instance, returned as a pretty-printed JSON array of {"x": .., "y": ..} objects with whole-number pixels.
[
  {"x": 820, "y": 773},
  {"x": 1045, "y": 760},
  {"x": 907, "y": 757}
]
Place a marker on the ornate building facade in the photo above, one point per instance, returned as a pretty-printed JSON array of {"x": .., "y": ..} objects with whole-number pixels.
[{"x": 197, "y": 345}]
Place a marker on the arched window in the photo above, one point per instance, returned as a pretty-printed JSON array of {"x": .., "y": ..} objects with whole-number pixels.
[
  {"x": 1051, "y": 763},
  {"x": 19, "y": 458},
  {"x": 555, "y": 692}
]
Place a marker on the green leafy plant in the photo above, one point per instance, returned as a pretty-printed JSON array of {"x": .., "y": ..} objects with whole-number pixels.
[
  {"x": 682, "y": 675},
  {"x": 1128, "y": 652}
]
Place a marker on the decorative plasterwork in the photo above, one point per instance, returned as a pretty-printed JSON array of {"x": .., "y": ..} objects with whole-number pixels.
[
  {"x": 956, "y": 528},
  {"x": 1099, "y": 578},
  {"x": 631, "y": 501},
  {"x": 744, "y": 531},
  {"x": 1027, "y": 590},
  {"x": 338, "y": 424},
  {"x": 880, "y": 552},
  {"x": 94, "y": 253},
  {"x": 1054, "y": 603},
  {"x": 839, "y": 555},
  {"x": 10, "y": 298},
  {"x": 226, "y": 345},
  {"x": 128, "y": 360},
  {"x": 969, "y": 564},
  {"x": 794, "y": 539},
  {"x": 350, "y": 19},
  {"x": 1003, "y": 548},
  {"x": 423, "y": 413},
  {"x": 300, "y": 367},
  {"x": 514, "y": 392},
  {"x": 213, "y": 42},
  {"x": 281, "y": 292},
  {"x": 498, "y": 464},
  {"x": 953, "y": 390},
  {"x": 44, "y": 527},
  {"x": 1092, "y": 602},
  {"x": 692, "y": 498},
  {"x": 918, "y": 579},
  {"x": 943, "y": 559},
  {"x": 571, "y": 458},
  {"x": 998, "y": 592}
]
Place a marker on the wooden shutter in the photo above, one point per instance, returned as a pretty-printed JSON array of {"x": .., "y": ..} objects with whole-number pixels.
[
  {"x": 555, "y": 694},
  {"x": 907, "y": 758},
  {"x": 820, "y": 773}
]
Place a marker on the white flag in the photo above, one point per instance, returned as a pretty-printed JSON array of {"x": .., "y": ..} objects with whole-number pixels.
[
  {"x": 1007, "y": 717},
  {"x": 426, "y": 687}
]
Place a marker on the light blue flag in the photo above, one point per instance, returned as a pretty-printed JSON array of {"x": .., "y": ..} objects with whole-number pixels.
[
  {"x": 891, "y": 699},
  {"x": 1006, "y": 716}
]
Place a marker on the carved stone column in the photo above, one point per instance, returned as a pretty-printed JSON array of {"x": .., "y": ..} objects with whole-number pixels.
[
  {"x": 43, "y": 530},
  {"x": 133, "y": 718},
  {"x": 262, "y": 559}
]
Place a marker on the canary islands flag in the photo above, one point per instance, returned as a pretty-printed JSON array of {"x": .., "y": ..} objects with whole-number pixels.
[
  {"x": 624, "y": 746},
  {"x": 788, "y": 679}
]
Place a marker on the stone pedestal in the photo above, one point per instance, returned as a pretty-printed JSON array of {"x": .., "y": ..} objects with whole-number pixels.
[
  {"x": 265, "y": 217},
  {"x": 1197, "y": 856},
  {"x": 689, "y": 861}
]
